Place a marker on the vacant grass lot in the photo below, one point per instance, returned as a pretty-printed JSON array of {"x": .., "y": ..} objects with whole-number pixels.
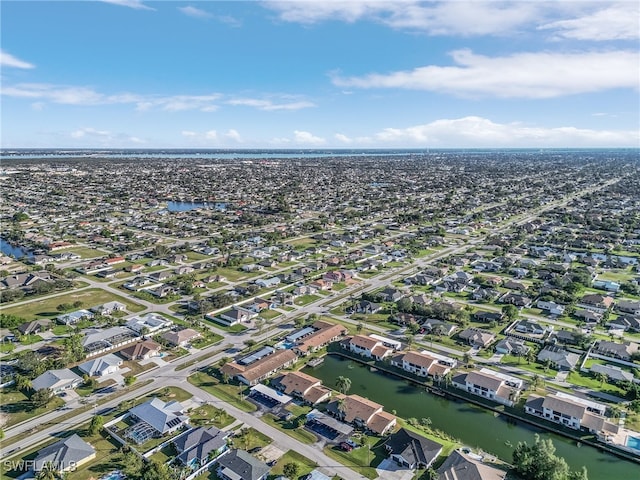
[
  {"x": 46, "y": 308},
  {"x": 229, "y": 393},
  {"x": 16, "y": 406},
  {"x": 304, "y": 464}
]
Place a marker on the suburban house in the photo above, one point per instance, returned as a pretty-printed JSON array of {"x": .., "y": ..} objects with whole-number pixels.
[
  {"x": 596, "y": 302},
  {"x": 181, "y": 337},
  {"x": 240, "y": 465},
  {"x": 461, "y": 466},
  {"x": 64, "y": 455},
  {"x": 559, "y": 358},
  {"x": 149, "y": 323},
  {"x": 551, "y": 308},
  {"x": 411, "y": 450},
  {"x": 613, "y": 372},
  {"x": 628, "y": 306},
  {"x": 34, "y": 327},
  {"x": 477, "y": 337},
  {"x": 623, "y": 351},
  {"x": 72, "y": 318},
  {"x": 250, "y": 370},
  {"x": 196, "y": 445},
  {"x": 512, "y": 346},
  {"x": 421, "y": 364},
  {"x": 233, "y": 317},
  {"x": 486, "y": 383},
  {"x": 303, "y": 386},
  {"x": 268, "y": 282},
  {"x": 101, "y": 366},
  {"x": 141, "y": 350},
  {"x": 163, "y": 418},
  {"x": 57, "y": 380},
  {"x": 108, "y": 308},
  {"x": 97, "y": 340},
  {"x": 567, "y": 410},
  {"x": 529, "y": 327},
  {"x": 487, "y": 317},
  {"x": 363, "y": 413},
  {"x": 624, "y": 322}
]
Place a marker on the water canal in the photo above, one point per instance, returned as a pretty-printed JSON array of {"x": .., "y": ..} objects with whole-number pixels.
[{"x": 472, "y": 425}]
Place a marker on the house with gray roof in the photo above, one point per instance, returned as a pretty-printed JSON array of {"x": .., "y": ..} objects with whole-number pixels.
[
  {"x": 623, "y": 351},
  {"x": 559, "y": 358},
  {"x": 411, "y": 450},
  {"x": 612, "y": 372},
  {"x": 461, "y": 466},
  {"x": 148, "y": 323},
  {"x": 240, "y": 465},
  {"x": 97, "y": 340},
  {"x": 163, "y": 417},
  {"x": 101, "y": 366},
  {"x": 57, "y": 380},
  {"x": 64, "y": 455},
  {"x": 195, "y": 446}
]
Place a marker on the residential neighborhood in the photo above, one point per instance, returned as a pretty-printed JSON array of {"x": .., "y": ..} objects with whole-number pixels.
[{"x": 308, "y": 318}]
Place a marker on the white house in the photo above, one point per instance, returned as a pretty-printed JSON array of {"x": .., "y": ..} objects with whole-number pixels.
[
  {"x": 101, "y": 366},
  {"x": 486, "y": 383},
  {"x": 149, "y": 323}
]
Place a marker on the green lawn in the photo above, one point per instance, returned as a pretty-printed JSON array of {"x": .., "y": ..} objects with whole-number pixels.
[
  {"x": 229, "y": 393},
  {"x": 30, "y": 339},
  {"x": 363, "y": 459},
  {"x": 588, "y": 381},
  {"x": 85, "y": 252},
  {"x": 289, "y": 427},
  {"x": 305, "y": 299},
  {"x": 305, "y": 466},
  {"x": 250, "y": 438},
  {"x": 237, "y": 328},
  {"x": 269, "y": 314},
  {"x": 46, "y": 308},
  {"x": 171, "y": 394},
  {"x": 234, "y": 275},
  {"x": 209, "y": 415},
  {"x": 17, "y": 407}
]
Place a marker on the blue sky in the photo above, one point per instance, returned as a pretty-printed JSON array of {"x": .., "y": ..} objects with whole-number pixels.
[{"x": 327, "y": 74}]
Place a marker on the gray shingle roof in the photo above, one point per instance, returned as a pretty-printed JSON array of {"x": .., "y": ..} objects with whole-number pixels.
[{"x": 64, "y": 453}]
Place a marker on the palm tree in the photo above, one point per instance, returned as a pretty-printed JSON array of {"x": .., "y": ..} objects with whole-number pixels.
[
  {"x": 49, "y": 472},
  {"x": 342, "y": 406},
  {"x": 600, "y": 377},
  {"x": 343, "y": 384}
]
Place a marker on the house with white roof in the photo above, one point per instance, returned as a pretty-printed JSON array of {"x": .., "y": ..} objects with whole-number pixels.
[
  {"x": 101, "y": 366},
  {"x": 163, "y": 417},
  {"x": 149, "y": 323}
]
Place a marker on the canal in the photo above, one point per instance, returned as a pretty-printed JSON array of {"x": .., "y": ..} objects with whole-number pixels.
[{"x": 474, "y": 426}]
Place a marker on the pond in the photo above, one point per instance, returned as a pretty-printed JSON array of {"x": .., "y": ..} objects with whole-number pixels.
[
  {"x": 473, "y": 426},
  {"x": 11, "y": 250},
  {"x": 186, "y": 206}
]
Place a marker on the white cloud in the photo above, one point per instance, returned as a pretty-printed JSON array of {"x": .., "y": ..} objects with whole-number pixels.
[
  {"x": 269, "y": 105},
  {"x": 8, "y": 60},
  {"x": 523, "y": 75},
  {"x": 614, "y": 22},
  {"x": 233, "y": 135},
  {"x": 82, "y": 132},
  {"x": 135, "y": 4},
  {"x": 189, "y": 133},
  {"x": 476, "y": 131},
  {"x": 86, "y": 96},
  {"x": 307, "y": 138},
  {"x": 194, "y": 12},
  {"x": 465, "y": 18}
]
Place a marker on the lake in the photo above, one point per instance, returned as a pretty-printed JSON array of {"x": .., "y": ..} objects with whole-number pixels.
[
  {"x": 186, "y": 206},
  {"x": 474, "y": 426},
  {"x": 11, "y": 250}
]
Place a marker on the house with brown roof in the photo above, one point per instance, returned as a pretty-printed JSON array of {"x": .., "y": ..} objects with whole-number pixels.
[
  {"x": 303, "y": 386},
  {"x": 363, "y": 413},
  {"x": 368, "y": 347},
  {"x": 477, "y": 337},
  {"x": 141, "y": 350},
  {"x": 181, "y": 337},
  {"x": 260, "y": 369},
  {"x": 325, "y": 334},
  {"x": 596, "y": 302}
]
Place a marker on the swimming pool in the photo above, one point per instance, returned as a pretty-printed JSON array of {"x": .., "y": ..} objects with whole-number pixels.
[
  {"x": 285, "y": 345},
  {"x": 115, "y": 475},
  {"x": 633, "y": 442}
]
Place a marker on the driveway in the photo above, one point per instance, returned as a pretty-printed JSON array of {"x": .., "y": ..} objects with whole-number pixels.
[{"x": 390, "y": 470}]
